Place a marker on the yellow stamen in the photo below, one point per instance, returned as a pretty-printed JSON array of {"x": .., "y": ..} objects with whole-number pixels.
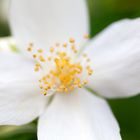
[
  {"x": 40, "y": 51},
  {"x": 65, "y": 74},
  {"x": 86, "y": 36},
  {"x": 30, "y": 47},
  {"x": 72, "y": 40},
  {"x": 65, "y": 45},
  {"x": 34, "y": 56}
]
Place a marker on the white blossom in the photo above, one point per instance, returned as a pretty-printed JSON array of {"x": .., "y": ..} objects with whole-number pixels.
[{"x": 71, "y": 114}]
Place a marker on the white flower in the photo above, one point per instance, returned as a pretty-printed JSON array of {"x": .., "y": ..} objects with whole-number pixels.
[{"x": 76, "y": 115}]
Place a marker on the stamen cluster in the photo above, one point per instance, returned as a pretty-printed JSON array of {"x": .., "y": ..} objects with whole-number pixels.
[{"x": 63, "y": 69}]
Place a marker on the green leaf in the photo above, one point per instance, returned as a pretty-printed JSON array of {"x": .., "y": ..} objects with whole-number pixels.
[{"x": 26, "y": 132}]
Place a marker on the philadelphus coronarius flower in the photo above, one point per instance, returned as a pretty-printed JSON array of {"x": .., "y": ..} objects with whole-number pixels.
[{"x": 55, "y": 84}]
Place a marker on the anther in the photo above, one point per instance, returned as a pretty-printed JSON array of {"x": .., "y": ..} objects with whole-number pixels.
[
  {"x": 65, "y": 45},
  {"x": 51, "y": 49},
  {"x": 41, "y": 58},
  {"x": 72, "y": 40},
  {"x": 86, "y": 36},
  {"x": 40, "y": 50},
  {"x": 34, "y": 56}
]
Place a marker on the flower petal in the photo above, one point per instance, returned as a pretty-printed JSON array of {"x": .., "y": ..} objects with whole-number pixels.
[
  {"x": 45, "y": 22},
  {"x": 116, "y": 60},
  {"x": 20, "y": 101},
  {"x": 78, "y": 116}
]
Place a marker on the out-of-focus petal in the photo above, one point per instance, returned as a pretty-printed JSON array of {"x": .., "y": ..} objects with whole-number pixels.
[
  {"x": 116, "y": 60},
  {"x": 78, "y": 116},
  {"x": 45, "y": 22},
  {"x": 20, "y": 100}
]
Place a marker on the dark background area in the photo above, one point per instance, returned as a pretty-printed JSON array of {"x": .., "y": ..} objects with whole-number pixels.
[{"x": 127, "y": 111}]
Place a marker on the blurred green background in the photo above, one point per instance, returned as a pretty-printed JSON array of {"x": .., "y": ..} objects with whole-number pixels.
[{"x": 102, "y": 13}]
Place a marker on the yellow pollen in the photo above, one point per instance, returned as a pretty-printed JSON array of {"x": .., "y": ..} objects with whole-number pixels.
[
  {"x": 40, "y": 51},
  {"x": 34, "y": 55},
  {"x": 36, "y": 69},
  {"x": 37, "y": 65},
  {"x": 85, "y": 82},
  {"x": 30, "y": 47},
  {"x": 86, "y": 36},
  {"x": 41, "y": 58},
  {"x": 65, "y": 45},
  {"x": 49, "y": 58},
  {"x": 84, "y": 55},
  {"x": 51, "y": 49},
  {"x": 62, "y": 71},
  {"x": 72, "y": 40},
  {"x": 88, "y": 60}
]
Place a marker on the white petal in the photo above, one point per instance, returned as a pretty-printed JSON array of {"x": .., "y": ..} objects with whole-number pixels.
[
  {"x": 116, "y": 60},
  {"x": 45, "y": 22},
  {"x": 117, "y": 32},
  {"x": 78, "y": 116},
  {"x": 20, "y": 101}
]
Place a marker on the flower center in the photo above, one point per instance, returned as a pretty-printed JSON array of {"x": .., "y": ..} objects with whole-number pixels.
[{"x": 63, "y": 69}]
